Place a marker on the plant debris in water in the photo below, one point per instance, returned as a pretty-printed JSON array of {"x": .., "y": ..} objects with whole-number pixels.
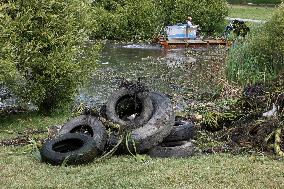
[{"x": 134, "y": 87}]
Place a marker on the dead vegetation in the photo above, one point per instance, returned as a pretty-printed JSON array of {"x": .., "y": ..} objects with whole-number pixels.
[{"x": 253, "y": 122}]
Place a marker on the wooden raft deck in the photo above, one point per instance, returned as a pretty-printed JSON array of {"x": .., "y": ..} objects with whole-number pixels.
[{"x": 188, "y": 43}]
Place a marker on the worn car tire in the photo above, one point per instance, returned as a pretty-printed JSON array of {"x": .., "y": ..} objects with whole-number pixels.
[
  {"x": 173, "y": 149},
  {"x": 89, "y": 125},
  {"x": 156, "y": 129},
  {"x": 73, "y": 148},
  {"x": 182, "y": 130},
  {"x": 138, "y": 103}
]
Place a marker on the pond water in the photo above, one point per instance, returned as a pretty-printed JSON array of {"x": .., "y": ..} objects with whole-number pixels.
[
  {"x": 182, "y": 74},
  {"x": 167, "y": 71}
]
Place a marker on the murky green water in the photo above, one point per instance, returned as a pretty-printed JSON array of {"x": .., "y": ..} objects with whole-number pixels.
[{"x": 168, "y": 71}]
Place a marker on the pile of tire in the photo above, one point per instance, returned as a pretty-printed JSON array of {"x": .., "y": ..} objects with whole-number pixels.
[
  {"x": 79, "y": 141},
  {"x": 146, "y": 123}
]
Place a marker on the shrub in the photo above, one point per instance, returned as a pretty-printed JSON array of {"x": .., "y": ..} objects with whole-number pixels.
[
  {"x": 134, "y": 19},
  {"x": 260, "y": 57},
  {"x": 209, "y": 15},
  {"x": 40, "y": 42}
]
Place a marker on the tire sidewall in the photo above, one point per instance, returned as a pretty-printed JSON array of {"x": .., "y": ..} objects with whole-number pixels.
[
  {"x": 98, "y": 129},
  {"x": 146, "y": 113},
  {"x": 84, "y": 154}
]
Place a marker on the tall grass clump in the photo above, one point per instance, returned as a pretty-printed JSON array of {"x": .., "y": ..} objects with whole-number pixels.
[{"x": 259, "y": 57}]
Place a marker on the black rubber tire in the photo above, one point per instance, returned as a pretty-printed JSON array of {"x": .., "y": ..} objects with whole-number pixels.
[
  {"x": 74, "y": 148},
  {"x": 121, "y": 96},
  {"x": 156, "y": 129},
  {"x": 90, "y": 125},
  {"x": 176, "y": 149},
  {"x": 182, "y": 130}
]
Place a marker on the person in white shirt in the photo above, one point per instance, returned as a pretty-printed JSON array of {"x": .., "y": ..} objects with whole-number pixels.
[
  {"x": 188, "y": 21},
  {"x": 188, "y": 25}
]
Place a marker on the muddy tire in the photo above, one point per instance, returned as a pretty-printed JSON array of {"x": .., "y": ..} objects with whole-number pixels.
[
  {"x": 182, "y": 130},
  {"x": 173, "y": 149},
  {"x": 122, "y": 104},
  {"x": 71, "y": 148},
  {"x": 89, "y": 125},
  {"x": 156, "y": 129}
]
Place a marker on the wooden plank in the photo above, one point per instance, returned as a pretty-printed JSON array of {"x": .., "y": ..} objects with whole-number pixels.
[{"x": 183, "y": 43}]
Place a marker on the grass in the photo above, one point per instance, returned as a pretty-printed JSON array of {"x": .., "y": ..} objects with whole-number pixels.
[
  {"x": 212, "y": 171},
  {"x": 11, "y": 125},
  {"x": 250, "y": 12},
  {"x": 21, "y": 167}
]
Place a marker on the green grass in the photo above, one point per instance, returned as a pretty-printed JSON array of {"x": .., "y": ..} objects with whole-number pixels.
[
  {"x": 20, "y": 170},
  {"x": 250, "y": 12},
  {"x": 11, "y": 125},
  {"x": 21, "y": 167}
]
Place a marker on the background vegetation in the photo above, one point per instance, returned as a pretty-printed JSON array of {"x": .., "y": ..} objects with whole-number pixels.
[
  {"x": 136, "y": 19},
  {"x": 260, "y": 57},
  {"x": 251, "y": 12},
  {"x": 40, "y": 43},
  {"x": 143, "y": 19}
]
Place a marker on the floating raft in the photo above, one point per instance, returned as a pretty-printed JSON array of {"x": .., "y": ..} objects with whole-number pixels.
[{"x": 192, "y": 43}]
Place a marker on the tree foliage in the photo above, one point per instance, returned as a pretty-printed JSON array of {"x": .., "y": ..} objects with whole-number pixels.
[
  {"x": 209, "y": 15},
  {"x": 142, "y": 19},
  {"x": 126, "y": 20},
  {"x": 40, "y": 41}
]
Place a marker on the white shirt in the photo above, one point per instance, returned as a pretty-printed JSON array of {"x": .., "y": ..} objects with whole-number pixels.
[{"x": 189, "y": 23}]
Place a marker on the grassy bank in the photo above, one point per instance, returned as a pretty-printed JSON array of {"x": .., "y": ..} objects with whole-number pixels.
[
  {"x": 21, "y": 166},
  {"x": 20, "y": 170},
  {"x": 14, "y": 125},
  {"x": 250, "y": 12}
]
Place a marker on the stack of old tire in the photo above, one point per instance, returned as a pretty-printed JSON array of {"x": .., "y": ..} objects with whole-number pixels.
[{"x": 146, "y": 125}]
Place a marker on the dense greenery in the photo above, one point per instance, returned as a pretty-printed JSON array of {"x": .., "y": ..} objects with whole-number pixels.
[
  {"x": 209, "y": 15},
  {"x": 260, "y": 57},
  {"x": 40, "y": 42},
  {"x": 135, "y": 19},
  {"x": 255, "y": 1},
  {"x": 143, "y": 19}
]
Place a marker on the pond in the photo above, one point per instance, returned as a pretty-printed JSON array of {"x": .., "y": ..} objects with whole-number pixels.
[
  {"x": 175, "y": 72},
  {"x": 183, "y": 74}
]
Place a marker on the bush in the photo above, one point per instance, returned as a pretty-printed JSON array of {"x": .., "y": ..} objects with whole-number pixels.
[
  {"x": 261, "y": 56},
  {"x": 209, "y": 15},
  {"x": 137, "y": 19},
  {"x": 143, "y": 19},
  {"x": 40, "y": 42}
]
